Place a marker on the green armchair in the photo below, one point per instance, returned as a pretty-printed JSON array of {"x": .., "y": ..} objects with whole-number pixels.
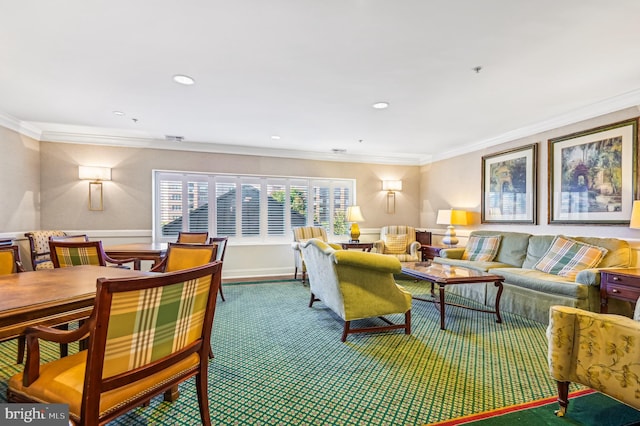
[
  {"x": 399, "y": 241},
  {"x": 356, "y": 285},
  {"x": 600, "y": 351}
]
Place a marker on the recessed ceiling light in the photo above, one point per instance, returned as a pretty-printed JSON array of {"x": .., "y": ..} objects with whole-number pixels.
[
  {"x": 381, "y": 105},
  {"x": 118, "y": 112},
  {"x": 275, "y": 137},
  {"x": 183, "y": 79}
]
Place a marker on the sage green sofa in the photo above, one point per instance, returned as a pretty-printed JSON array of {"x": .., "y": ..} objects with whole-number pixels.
[
  {"x": 356, "y": 285},
  {"x": 530, "y": 292}
]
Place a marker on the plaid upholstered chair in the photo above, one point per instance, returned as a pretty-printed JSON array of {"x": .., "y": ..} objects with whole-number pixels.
[
  {"x": 74, "y": 253},
  {"x": 39, "y": 248},
  {"x": 399, "y": 241},
  {"x": 185, "y": 256},
  {"x": 193, "y": 237},
  {"x": 300, "y": 235},
  {"x": 139, "y": 346}
]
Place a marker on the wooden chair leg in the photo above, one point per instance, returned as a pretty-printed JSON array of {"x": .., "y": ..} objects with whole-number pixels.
[
  {"x": 221, "y": 293},
  {"x": 563, "y": 398},
  {"x": 407, "y": 322},
  {"x": 295, "y": 273},
  {"x": 21, "y": 348},
  {"x": 347, "y": 324},
  {"x": 172, "y": 394},
  {"x": 313, "y": 299}
]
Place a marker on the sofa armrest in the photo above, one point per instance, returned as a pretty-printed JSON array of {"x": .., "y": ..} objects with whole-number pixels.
[
  {"x": 371, "y": 261},
  {"x": 588, "y": 277},
  {"x": 452, "y": 253}
]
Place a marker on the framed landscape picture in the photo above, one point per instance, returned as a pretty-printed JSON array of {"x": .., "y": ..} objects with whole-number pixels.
[
  {"x": 509, "y": 186},
  {"x": 592, "y": 175}
]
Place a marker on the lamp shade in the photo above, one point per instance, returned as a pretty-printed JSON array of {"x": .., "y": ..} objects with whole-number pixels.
[
  {"x": 451, "y": 217},
  {"x": 635, "y": 215},
  {"x": 354, "y": 214},
  {"x": 94, "y": 173},
  {"x": 392, "y": 185}
]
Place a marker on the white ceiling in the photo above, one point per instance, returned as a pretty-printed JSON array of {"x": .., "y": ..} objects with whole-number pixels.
[{"x": 309, "y": 71}]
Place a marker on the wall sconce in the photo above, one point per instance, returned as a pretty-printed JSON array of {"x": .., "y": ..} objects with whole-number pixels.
[
  {"x": 391, "y": 186},
  {"x": 354, "y": 215},
  {"x": 95, "y": 175},
  {"x": 451, "y": 217}
]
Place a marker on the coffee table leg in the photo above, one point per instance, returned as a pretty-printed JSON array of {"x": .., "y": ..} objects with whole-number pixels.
[
  {"x": 499, "y": 285},
  {"x": 442, "y": 305}
]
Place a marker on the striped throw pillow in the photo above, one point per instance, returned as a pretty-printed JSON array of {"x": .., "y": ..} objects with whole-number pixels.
[
  {"x": 395, "y": 244},
  {"x": 482, "y": 249},
  {"x": 566, "y": 257}
]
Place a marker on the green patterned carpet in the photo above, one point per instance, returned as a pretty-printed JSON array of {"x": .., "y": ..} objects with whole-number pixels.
[{"x": 278, "y": 362}]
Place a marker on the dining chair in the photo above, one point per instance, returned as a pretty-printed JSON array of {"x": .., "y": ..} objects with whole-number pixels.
[
  {"x": 74, "y": 253},
  {"x": 10, "y": 264},
  {"x": 69, "y": 238},
  {"x": 222, "y": 248},
  {"x": 193, "y": 237},
  {"x": 183, "y": 256},
  {"x": 139, "y": 346},
  {"x": 39, "y": 248}
]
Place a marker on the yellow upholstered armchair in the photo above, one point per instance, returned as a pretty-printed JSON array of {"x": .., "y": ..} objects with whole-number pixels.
[
  {"x": 601, "y": 351},
  {"x": 399, "y": 241},
  {"x": 356, "y": 285},
  {"x": 300, "y": 235}
]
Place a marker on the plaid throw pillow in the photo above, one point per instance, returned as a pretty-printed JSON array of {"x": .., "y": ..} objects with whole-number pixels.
[
  {"x": 395, "y": 244},
  {"x": 566, "y": 257},
  {"x": 482, "y": 248}
]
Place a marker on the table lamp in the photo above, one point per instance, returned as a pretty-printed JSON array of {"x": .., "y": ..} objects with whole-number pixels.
[
  {"x": 635, "y": 215},
  {"x": 451, "y": 217},
  {"x": 354, "y": 215}
]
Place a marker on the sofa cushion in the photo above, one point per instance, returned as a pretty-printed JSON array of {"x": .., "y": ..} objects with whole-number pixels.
[
  {"x": 471, "y": 264},
  {"x": 618, "y": 254},
  {"x": 482, "y": 248},
  {"x": 541, "y": 281},
  {"x": 513, "y": 246},
  {"x": 566, "y": 257},
  {"x": 395, "y": 243}
]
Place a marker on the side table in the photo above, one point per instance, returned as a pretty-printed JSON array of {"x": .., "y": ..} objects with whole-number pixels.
[
  {"x": 353, "y": 245},
  {"x": 621, "y": 284},
  {"x": 429, "y": 252}
]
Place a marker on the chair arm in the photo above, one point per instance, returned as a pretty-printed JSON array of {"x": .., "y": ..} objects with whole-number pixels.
[
  {"x": 120, "y": 261},
  {"x": 296, "y": 246},
  {"x": 452, "y": 253},
  {"x": 335, "y": 246},
  {"x": 160, "y": 267},
  {"x": 413, "y": 248},
  {"x": 33, "y": 334},
  {"x": 379, "y": 246},
  {"x": 372, "y": 261}
]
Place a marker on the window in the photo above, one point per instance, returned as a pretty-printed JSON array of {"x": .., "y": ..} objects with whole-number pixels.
[{"x": 248, "y": 208}]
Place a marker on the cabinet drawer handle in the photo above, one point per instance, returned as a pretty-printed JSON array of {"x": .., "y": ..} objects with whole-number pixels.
[
  {"x": 616, "y": 278},
  {"x": 615, "y": 290}
]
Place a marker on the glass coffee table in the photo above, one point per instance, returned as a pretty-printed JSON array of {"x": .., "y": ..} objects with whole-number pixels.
[{"x": 446, "y": 275}]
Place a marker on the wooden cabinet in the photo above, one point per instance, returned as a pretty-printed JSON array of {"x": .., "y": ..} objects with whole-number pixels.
[{"x": 622, "y": 284}]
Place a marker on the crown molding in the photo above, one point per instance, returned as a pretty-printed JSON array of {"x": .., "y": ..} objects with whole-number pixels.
[
  {"x": 606, "y": 106},
  {"x": 22, "y": 127}
]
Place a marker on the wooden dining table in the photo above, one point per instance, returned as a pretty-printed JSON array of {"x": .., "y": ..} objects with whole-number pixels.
[
  {"x": 51, "y": 296},
  {"x": 152, "y": 251}
]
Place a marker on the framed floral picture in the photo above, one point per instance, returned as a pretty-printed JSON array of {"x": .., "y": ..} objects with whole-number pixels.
[
  {"x": 509, "y": 186},
  {"x": 592, "y": 175}
]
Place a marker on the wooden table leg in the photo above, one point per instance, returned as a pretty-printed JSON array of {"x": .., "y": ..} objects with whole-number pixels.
[
  {"x": 442, "y": 305},
  {"x": 499, "y": 285}
]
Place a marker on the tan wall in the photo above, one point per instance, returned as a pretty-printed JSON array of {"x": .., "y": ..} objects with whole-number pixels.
[
  {"x": 456, "y": 183},
  {"x": 128, "y": 197},
  {"x": 20, "y": 177}
]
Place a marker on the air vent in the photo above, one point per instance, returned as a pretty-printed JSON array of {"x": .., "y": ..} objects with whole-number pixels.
[
  {"x": 338, "y": 150},
  {"x": 173, "y": 138}
]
